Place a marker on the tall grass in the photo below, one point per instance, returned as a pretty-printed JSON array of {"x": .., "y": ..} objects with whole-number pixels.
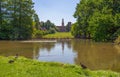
[{"x": 23, "y": 67}]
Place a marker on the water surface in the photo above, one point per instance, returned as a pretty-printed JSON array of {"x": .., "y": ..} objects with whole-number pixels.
[{"x": 96, "y": 56}]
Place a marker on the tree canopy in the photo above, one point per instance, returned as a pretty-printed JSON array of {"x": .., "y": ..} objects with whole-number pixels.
[
  {"x": 48, "y": 26},
  {"x": 97, "y": 19},
  {"x": 16, "y": 17}
]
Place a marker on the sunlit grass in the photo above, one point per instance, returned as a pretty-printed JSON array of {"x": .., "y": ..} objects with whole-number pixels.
[
  {"x": 59, "y": 35},
  {"x": 23, "y": 67}
]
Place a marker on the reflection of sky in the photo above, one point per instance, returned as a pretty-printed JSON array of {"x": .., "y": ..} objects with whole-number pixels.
[
  {"x": 56, "y": 54},
  {"x": 96, "y": 56}
]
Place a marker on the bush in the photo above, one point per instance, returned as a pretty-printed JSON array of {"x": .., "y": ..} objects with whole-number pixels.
[
  {"x": 52, "y": 31},
  {"x": 39, "y": 33}
]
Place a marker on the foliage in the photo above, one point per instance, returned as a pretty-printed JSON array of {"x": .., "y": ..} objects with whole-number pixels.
[
  {"x": 59, "y": 35},
  {"x": 68, "y": 26},
  {"x": 42, "y": 28},
  {"x": 99, "y": 19},
  {"x": 38, "y": 34},
  {"x": 16, "y": 19},
  {"x": 75, "y": 30},
  {"x": 52, "y": 31},
  {"x": 23, "y": 67},
  {"x": 37, "y": 22},
  {"x": 48, "y": 26}
]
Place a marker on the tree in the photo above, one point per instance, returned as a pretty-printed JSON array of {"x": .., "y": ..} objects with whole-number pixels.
[
  {"x": 76, "y": 31},
  {"x": 16, "y": 19},
  {"x": 37, "y": 22},
  {"x": 49, "y": 26},
  {"x": 5, "y": 29},
  {"x": 68, "y": 27},
  {"x": 0, "y": 12},
  {"x": 99, "y": 19}
]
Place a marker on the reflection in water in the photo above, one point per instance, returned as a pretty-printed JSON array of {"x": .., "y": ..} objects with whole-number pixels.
[
  {"x": 97, "y": 55},
  {"x": 59, "y": 53},
  {"x": 94, "y": 55}
]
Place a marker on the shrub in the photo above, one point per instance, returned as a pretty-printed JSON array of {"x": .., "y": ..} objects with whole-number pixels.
[{"x": 52, "y": 31}]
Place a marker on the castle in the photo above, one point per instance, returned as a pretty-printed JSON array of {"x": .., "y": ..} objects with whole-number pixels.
[{"x": 63, "y": 28}]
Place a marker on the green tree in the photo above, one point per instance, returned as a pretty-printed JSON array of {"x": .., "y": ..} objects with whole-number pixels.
[
  {"x": 68, "y": 27},
  {"x": 37, "y": 22},
  {"x": 76, "y": 31},
  {"x": 5, "y": 28},
  {"x": 16, "y": 19},
  {"x": 49, "y": 26},
  {"x": 97, "y": 19},
  {"x": 0, "y": 12}
]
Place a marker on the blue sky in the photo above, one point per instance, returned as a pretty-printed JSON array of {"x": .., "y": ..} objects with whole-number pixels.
[{"x": 55, "y": 10}]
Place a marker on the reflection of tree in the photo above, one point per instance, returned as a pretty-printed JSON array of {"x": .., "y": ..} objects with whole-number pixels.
[
  {"x": 68, "y": 43},
  {"x": 47, "y": 46},
  {"x": 35, "y": 51},
  {"x": 96, "y": 55},
  {"x": 29, "y": 50},
  {"x": 118, "y": 48},
  {"x": 116, "y": 64},
  {"x": 12, "y": 48},
  {"x": 64, "y": 42},
  {"x": 63, "y": 46},
  {"x": 23, "y": 49}
]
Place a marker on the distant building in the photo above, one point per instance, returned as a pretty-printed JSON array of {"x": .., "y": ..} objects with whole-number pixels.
[
  {"x": 68, "y": 26},
  {"x": 63, "y": 28}
]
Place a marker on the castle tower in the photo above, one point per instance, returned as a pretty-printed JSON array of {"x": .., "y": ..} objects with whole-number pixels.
[{"x": 62, "y": 22}]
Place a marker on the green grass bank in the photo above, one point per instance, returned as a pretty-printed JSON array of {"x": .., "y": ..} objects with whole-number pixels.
[
  {"x": 24, "y": 67},
  {"x": 59, "y": 35}
]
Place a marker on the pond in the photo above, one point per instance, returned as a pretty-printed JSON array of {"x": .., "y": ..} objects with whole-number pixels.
[{"x": 96, "y": 56}]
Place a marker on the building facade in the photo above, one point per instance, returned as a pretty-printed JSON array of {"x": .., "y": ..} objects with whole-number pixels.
[{"x": 63, "y": 28}]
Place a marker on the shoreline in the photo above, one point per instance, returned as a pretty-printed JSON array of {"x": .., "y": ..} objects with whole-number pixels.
[{"x": 23, "y": 67}]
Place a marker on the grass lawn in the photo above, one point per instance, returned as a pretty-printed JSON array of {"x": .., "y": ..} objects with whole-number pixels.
[
  {"x": 23, "y": 67},
  {"x": 59, "y": 35}
]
